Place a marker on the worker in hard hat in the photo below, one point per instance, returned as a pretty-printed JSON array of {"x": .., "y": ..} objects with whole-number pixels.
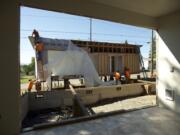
[
  {"x": 39, "y": 50},
  {"x": 35, "y": 35},
  {"x": 105, "y": 78},
  {"x": 30, "y": 85},
  {"x": 117, "y": 76},
  {"x": 38, "y": 86},
  {"x": 127, "y": 74}
]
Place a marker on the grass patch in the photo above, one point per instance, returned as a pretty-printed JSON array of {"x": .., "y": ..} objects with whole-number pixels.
[{"x": 25, "y": 79}]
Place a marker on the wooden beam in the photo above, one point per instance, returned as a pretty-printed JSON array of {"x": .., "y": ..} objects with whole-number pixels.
[{"x": 78, "y": 107}]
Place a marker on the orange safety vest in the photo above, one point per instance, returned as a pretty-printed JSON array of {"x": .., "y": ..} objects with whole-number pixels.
[
  {"x": 39, "y": 47},
  {"x": 117, "y": 75},
  {"x": 30, "y": 85},
  {"x": 127, "y": 74}
]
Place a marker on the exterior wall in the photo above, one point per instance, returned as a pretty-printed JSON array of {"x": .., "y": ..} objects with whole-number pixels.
[
  {"x": 101, "y": 54},
  {"x": 102, "y": 62},
  {"x": 132, "y": 61},
  {"x": 9, "y": 53},
  {"x": 168, "y": 62}
]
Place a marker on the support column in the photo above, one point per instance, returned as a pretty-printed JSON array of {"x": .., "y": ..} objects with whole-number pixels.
[{"x": 9, "y": 68}]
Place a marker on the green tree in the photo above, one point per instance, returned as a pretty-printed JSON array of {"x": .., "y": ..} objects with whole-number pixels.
[
  {"x": 30, "y": 68},
  {"x": 32, "y": 65},
  {"x": 25, "y": 69}
]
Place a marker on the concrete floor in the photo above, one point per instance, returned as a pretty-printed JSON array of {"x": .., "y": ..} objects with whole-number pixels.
[
  {"x": 127, "y": 104},
  {"x": 151, "y": 121}
]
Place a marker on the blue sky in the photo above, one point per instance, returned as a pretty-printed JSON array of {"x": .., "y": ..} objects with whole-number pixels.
[{"x": 65, "y": 26}]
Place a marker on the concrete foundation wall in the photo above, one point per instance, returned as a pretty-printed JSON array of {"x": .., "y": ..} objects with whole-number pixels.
[
  {"x": 24, "y": 106},
  {"x": 168, "y": 62},
  {"x": 49, "y": 99},
  {"x": 58, "y": 98},
  {"x": 100, "y": 93}
]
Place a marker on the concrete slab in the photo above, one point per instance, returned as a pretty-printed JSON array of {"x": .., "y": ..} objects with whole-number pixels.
[
  {"x": 127, "y": 104},
  {"x": 149, "y": 121}
]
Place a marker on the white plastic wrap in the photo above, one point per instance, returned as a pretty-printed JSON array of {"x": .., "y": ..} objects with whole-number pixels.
[{"x": 73, "y": 61}]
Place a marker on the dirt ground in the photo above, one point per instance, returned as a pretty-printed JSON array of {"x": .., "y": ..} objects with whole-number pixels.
[{"x": 131, "y": 103}]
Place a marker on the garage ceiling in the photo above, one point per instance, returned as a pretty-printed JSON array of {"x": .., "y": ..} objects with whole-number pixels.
[
  {"x": 144, "y": 13},
  {"x": 153, "y": 8}
]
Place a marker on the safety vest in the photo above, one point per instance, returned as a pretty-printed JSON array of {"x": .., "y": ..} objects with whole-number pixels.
[
  {"x": 39, "y": 47},
  {"x": 117, "y": 75},
  {"x": 30, "y": 85}
]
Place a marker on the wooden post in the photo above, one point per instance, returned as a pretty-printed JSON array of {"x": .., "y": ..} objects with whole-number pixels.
[{"x": 78, "y": 107}]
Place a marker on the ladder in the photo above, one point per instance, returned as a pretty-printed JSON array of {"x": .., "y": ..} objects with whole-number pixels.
[{"x": 142, "y": 63}]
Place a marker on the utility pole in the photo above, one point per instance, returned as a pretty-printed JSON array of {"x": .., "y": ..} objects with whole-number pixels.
[
  {"x": 90, "y": 19},
  {"x": 152, "y": 42}
]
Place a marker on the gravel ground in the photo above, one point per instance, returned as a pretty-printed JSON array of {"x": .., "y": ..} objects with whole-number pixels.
[{"x": 132, "y": 103}]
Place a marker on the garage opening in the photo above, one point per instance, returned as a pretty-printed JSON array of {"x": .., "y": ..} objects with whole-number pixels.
[{"x": 76, "y": 68}]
